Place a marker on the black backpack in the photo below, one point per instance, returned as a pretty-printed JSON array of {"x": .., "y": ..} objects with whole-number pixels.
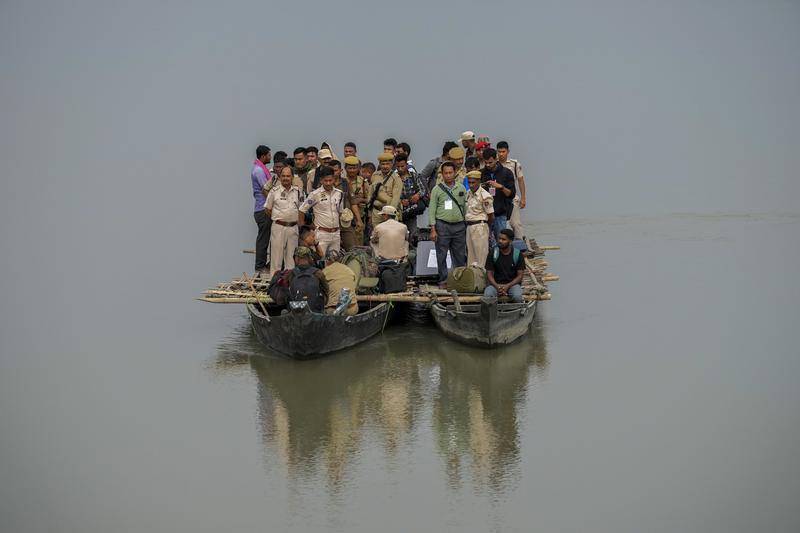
[
  {"x": 305, "y": 286},
  {"x": 392, "y": 277}
]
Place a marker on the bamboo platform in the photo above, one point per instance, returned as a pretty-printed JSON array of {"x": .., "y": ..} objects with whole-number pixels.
[{"x": 419, "y": 289}]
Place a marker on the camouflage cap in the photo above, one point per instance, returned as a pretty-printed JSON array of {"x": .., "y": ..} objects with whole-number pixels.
[{"x": 303, "y": 251}]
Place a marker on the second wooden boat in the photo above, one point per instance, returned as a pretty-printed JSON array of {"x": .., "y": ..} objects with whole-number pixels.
[{"x": 487, "y": 324}]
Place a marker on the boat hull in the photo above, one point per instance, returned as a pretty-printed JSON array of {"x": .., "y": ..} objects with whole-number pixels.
[
  {"x": 301, "y": 334},
  {"x": 487, "y": 325}
]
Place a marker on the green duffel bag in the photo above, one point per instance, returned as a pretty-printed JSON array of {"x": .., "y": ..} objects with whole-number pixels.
[{"x": 467, "y": 279}]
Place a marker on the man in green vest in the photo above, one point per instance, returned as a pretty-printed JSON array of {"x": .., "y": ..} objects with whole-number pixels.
[{"x": 446, "y": 217}]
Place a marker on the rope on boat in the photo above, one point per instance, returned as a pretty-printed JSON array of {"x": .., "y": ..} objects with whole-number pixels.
[{"x": 386, "y": 318}]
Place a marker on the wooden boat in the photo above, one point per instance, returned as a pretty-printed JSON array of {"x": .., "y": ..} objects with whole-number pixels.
[
  {"x": 486, "y": 324},
  {"x": 302, "y": 334}
]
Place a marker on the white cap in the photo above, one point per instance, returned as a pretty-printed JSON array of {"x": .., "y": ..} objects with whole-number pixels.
[{"x": 468, "y": 136}]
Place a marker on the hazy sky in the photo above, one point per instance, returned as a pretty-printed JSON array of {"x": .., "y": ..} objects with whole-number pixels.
[
  {"x": 614, "y": 107},
  {"x": 127, "y": 125}
]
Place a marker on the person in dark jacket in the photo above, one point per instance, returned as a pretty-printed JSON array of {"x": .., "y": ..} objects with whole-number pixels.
[
  {"x": 499, "y": 181},
  {"x": 307, "y": 282}
]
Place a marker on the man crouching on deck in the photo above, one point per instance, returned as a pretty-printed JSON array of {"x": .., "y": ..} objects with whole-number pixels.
[
  {"x": 327, "y": 202},
  {"x": 505, "y": 267}
]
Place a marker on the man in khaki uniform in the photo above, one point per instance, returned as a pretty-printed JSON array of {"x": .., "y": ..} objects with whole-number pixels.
[
  {"x": 390, "y": 238},
  {"x": 282, "y": 204},
  {"x": 358, "y": 195},
  {"x": 328, "y": 203},
  {"x": 519, "y": 200},
  {"x": 456, "y": 156},
  {"x": 386, "y": 188},
  {"x": 479, "y": 214},
  {"x": 338, "y": 277}
]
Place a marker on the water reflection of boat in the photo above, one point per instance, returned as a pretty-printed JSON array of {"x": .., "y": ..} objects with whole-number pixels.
[
  {"x": 476, "y": 407},
  {"x": 323, "y": 420},
  {"x": 302, "y": 334},
  {"x": 487, "y": 324}
]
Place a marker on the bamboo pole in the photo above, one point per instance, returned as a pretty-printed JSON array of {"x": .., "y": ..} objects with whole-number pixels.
[
  {"x": 546, "y": 247},
  {"x": 374, "y": 298},
  {"x": 550, "y": 277},
  {"x": 255, "y": 293}
]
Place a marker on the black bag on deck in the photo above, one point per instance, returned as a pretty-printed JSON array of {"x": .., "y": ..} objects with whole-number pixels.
[
  {"x": 392, "y": 277},
  {"x": 305, "y": 286},
  {"x": 279, "y": 287}
]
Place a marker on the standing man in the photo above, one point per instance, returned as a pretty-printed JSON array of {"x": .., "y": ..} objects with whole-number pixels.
[
  {"x": 405, "y": 148},
  {"x": 282, "y": 207},
  {"x": 262, "y": 182},
  {"x": 390, "y": 145},
  {"x": 446, "y": 217},
  {"x": 412, "y": 198},
  {"x": 500, "y": 183},
  {"x": 428, "y": 173},
  {"x": 358, "y": 194},
  {"x": 480, "y": 214},
  {"x": 468, "y": 142},
  {"x": 386, "y": 188},
  {"x": 520, "y": 198},
  {"x": 389, "y": 239},
  {"x": 327, "y": 203},
  {"x": 455, "y": 156},
  {"x": 350, "y": 149},
  {"x": 311, "y": 154},
  {"x": 480, "y": 146},
  {"x": 301, "y": 165},
  {"x": 505, "y": 268}
]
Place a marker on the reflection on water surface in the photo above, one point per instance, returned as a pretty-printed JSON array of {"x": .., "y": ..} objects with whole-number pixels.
[{"x": 320, "y": 418}]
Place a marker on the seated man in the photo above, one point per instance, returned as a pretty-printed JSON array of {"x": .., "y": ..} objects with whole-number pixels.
[
  {"x": 308, "y": 238},
  {"x": 338, "y": 277},
  {"x": 390, "y": 238},
  {"x": 505, "y": 267},
  {"x": 306, "y": 282}
]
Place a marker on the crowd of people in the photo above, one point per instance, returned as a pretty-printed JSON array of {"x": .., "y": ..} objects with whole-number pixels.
[{"x": 311, "y": 206}]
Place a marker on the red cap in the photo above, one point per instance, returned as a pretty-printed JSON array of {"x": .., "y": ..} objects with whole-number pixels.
[{"x": 481, "y": 145}]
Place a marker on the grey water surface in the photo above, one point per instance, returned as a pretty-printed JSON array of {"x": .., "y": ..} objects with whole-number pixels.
[{"x": 657, "y": 391}]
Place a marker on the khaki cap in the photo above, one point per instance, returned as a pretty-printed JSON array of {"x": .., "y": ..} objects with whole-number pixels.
[
  {"x": 388, "y": 210},
  {"x": 346, "y": 218},
  {"x": 456, "y": 153},
  {"x": 351, "y": 160},
  {"x": 324, "y": 154},
  {"x": 468, "y": 136},
  {"x": 386, "y": 156},
  {"x": 474, "y": 174}
]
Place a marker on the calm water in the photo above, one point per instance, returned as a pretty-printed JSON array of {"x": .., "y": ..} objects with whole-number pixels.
[{"x": 657, "y": 391}]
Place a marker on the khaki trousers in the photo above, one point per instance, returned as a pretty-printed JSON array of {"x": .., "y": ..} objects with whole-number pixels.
[
  {"x": 477, "y": 244},
  {"x": 328, "y": 240},
  {"x": 516, "y": 220},
  {"x": 283, "y": 241}
]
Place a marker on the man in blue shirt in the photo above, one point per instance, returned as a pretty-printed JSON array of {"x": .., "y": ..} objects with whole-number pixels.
[{"x": 262, "y": 183}]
